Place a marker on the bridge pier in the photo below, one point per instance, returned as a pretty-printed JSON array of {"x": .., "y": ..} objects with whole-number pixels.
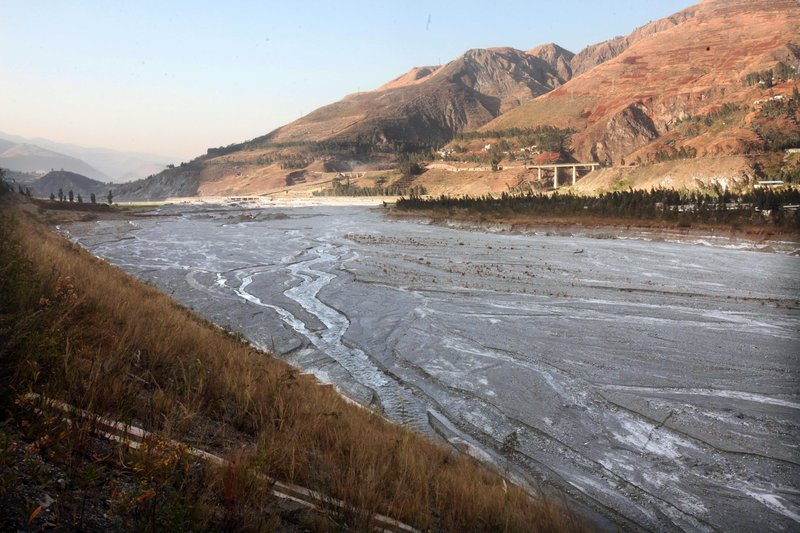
[{"x": 574, "y": 166}]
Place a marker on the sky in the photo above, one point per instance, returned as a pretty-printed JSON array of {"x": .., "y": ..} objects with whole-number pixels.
[{"x": 177, "y": 77}]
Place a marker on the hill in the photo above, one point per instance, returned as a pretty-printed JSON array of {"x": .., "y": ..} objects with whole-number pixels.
[{"x": 67, "y": 181}]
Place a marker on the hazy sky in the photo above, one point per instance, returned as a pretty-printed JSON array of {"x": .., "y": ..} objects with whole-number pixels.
[{"x": 177, "y": 77}]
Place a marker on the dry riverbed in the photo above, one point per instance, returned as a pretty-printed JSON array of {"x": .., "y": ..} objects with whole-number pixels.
[{"x": 654, "y": 382}]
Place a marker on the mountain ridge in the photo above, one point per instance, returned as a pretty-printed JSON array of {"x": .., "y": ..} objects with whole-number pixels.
[{"x": 430, "y": 104}]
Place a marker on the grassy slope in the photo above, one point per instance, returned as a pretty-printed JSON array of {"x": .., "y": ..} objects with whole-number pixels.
[{"x": 73, "y": 327}]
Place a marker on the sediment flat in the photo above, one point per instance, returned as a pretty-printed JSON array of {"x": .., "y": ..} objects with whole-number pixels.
[{"x": 654, "y": 382}]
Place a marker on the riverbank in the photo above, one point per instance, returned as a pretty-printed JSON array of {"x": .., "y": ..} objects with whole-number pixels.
[{"x": 285, "y": 200}]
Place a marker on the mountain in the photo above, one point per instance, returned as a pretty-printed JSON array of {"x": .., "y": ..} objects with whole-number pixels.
[
  {"x": 713, "y": 80},
  {"x": 424, "y": 107},
  {"x": 428, "y": 105},
  {"x": 68, "y": 181},
  {"x": 682, "y": 82},
  {"x": 114, "y": 165},
  {"x": 32, "y": 158},
  {"x": 6, "y": 145}
]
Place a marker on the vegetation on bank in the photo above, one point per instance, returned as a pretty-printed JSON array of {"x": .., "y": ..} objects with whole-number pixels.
[
  {"x": 348, "y": 189},
  {"x": 76, "y": 329},
  {"x": 757, "y": 207}
]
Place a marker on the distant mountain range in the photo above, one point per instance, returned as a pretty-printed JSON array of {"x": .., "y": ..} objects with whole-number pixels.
[
  {"x": 42, "y": 155},
  {"x": 689, "y": 86},
  {"x": 32, "y": 158}
]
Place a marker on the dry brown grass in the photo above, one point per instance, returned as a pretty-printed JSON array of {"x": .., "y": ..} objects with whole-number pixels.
[{"x": 115, "y": 346}]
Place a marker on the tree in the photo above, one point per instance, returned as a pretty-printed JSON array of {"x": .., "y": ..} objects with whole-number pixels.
[
  {"x": 27, "y": 192},
  {"x": 52, "y": 197},
  {"x": 495, "y": 156},
  {"x": 60, "y": 195},
  {"x": 110, "y": 197},
  {"x": 71, "y": 196},
  {"x": 4, "y": 187},
  {"x": 80, "y": 198},
  {"x": 92, "y": 198},
  {"x": 408, "y": 164}
]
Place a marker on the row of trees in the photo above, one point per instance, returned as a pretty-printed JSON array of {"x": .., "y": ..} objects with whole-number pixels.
[
  {"x": 348, "y": 189},
  {"x": 757, "y": 206},
  {"x": 778, "y": 74},
  {"x": 71, "y": 197},
  {"x": 6, "y": 187},
  {"x": 671, "y": 153}
]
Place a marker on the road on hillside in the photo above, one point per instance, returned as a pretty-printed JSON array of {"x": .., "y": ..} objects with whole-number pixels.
[{"x": 655, "y": 383}]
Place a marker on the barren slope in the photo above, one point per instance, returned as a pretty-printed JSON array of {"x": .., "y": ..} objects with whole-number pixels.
[
  {"x": 428, "y": 105},
  {"x": 692, "y": 66}
]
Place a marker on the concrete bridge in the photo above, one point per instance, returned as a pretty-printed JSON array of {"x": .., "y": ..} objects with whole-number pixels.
[{"x": 554, "y": 168}]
